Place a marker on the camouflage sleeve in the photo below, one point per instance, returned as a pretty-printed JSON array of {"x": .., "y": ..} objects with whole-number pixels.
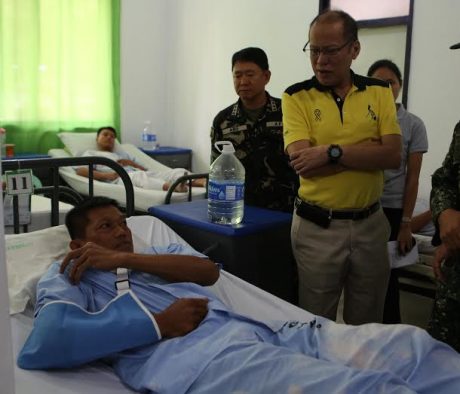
[
  {"x": 445, "y": 181},
  {"x": 216, "y": 134}
]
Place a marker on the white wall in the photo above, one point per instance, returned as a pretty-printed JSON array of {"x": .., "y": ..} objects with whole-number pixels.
[
  {"x": 176, "y": 64},
  {"x": 381, "y": 43},
  {"x": 194, "y": 43},
  {"x": 143, "y": 66},
  {"x": 434, "y": 87}
]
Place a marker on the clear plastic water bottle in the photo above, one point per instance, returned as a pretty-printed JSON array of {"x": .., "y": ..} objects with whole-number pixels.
[
  {"x": 226, "y": 186},
  {"x": 149, "y": 138}
]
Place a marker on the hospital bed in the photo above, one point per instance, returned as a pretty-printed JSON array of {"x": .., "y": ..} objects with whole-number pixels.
[
  {"x": 40, "y": 208},
  {"x": 50, "y": 211},
  {"x": 35, "y": 209},
  {"x": 29, "y": 255},
  {"x": 77, "y": 143}
]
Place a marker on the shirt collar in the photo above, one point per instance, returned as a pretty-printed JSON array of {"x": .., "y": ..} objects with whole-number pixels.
[
  {"x": 356, "y": 80},
  {"x": 270, "y": 106}
]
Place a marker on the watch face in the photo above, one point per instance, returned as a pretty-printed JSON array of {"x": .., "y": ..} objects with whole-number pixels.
[{"x": 335, "y": 153}]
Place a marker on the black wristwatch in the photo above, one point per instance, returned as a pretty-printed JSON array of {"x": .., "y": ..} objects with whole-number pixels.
[{"x": 334, "y": 152}]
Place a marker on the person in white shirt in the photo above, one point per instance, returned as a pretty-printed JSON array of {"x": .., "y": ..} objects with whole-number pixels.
[{"x": 140, "y": 176}]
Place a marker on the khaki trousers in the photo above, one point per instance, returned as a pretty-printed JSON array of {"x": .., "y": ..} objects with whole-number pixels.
[{"x": 350, "y": 256}]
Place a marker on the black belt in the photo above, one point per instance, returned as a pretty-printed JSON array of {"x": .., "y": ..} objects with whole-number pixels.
[{"x": 306, "y": 210}]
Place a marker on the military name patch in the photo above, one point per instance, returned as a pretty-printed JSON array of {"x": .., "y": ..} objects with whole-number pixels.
[
  {"x": 275, "y": 124},
  {"x": 234, "y": 129}
]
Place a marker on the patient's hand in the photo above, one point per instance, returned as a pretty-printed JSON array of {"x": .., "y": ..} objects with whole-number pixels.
[
  {"x": 181, "y": 317},
  {"x": 90, "y": 255}
]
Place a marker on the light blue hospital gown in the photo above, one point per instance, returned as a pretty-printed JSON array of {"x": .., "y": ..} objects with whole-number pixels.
[{"x": 227, "y": 353}]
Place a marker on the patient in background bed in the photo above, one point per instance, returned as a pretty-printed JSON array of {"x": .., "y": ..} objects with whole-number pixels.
[
  {"x": 423, "y": 224},
  {"x": 165, "y": 332},
  {"x": 140, "y": 176}
]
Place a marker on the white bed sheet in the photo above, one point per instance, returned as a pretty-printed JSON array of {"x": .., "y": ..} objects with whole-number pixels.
[
  {"x": 144, "y": 199},
  {"x": 99, "y": 378},
  {"x": 40, "y": 214}
]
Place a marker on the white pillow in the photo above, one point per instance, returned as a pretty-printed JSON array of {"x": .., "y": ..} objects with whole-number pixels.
[
  {"x": 78, "y": 143},
  {"x": 28, "y": 256}
]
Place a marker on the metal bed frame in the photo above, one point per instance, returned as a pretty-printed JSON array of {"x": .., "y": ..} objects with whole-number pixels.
[
  {"x": 56, "y": 189},
  {"x": 186, "y": 178}
]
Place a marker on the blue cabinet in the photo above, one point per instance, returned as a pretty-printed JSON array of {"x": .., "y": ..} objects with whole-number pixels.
[
  {"x": 171, "y": 156},
  {"x": 257, "y": 250}
]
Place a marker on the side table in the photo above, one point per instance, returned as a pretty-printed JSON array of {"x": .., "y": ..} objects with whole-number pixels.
[
  {"x": 171, "y": 156},
  {"x": 257, "y": 250}
]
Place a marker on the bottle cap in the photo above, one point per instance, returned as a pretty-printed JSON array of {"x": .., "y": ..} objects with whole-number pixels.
[{"x": 227, "y": 147}]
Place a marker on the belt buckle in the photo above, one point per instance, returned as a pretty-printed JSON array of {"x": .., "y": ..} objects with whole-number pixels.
[{"x": 297, "y": 202}]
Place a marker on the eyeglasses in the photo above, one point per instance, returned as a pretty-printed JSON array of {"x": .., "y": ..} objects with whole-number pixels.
[{"x": 327, "y": 51}]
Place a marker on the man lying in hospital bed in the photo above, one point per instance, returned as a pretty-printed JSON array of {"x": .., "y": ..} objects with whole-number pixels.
[
  {"x": 140, "y": 176},
  {"x": 166, "y": 332},
  {"x": 77, "y": 143}
]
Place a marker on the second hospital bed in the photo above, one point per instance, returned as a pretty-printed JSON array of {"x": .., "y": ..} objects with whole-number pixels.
[{"x": 77, "y": 143}]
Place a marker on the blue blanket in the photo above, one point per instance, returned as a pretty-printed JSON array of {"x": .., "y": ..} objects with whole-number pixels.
[{"x": 227, "y": 352}]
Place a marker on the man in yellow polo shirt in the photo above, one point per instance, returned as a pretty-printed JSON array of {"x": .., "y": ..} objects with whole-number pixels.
[{"x": 341, "y": 132}]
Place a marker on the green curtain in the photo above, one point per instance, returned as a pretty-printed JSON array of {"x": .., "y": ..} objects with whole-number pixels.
[{"x": 59, "y": 69}]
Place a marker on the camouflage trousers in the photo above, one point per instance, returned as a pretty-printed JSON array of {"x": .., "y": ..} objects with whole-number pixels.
[{"x": 444, "y": 324}]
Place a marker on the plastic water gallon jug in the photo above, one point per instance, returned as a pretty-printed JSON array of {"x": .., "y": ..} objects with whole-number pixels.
[{"x": 226, "y": 186}]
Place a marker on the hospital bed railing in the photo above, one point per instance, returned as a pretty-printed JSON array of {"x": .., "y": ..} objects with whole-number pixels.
[
  {"x": 188, "y": 179},
  {"x": 56, "y": 190}
]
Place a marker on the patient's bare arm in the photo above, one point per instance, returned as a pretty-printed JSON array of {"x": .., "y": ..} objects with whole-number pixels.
[
  {"x": 127, "y": 162},
  {"x": 181, "y": 317},
  {"x": 421, "y": 220},
  {"x": 98, "y": 175}
]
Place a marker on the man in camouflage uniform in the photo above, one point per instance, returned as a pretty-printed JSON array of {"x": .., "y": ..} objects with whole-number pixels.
[
  {"x": 254, "y": 125},
  {"x": 445, "y": 206}
]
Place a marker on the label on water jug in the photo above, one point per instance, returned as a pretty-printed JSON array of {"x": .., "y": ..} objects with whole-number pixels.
[
  {"x": 228, "y": 190},
  {"x": 149, "y": 137}
]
